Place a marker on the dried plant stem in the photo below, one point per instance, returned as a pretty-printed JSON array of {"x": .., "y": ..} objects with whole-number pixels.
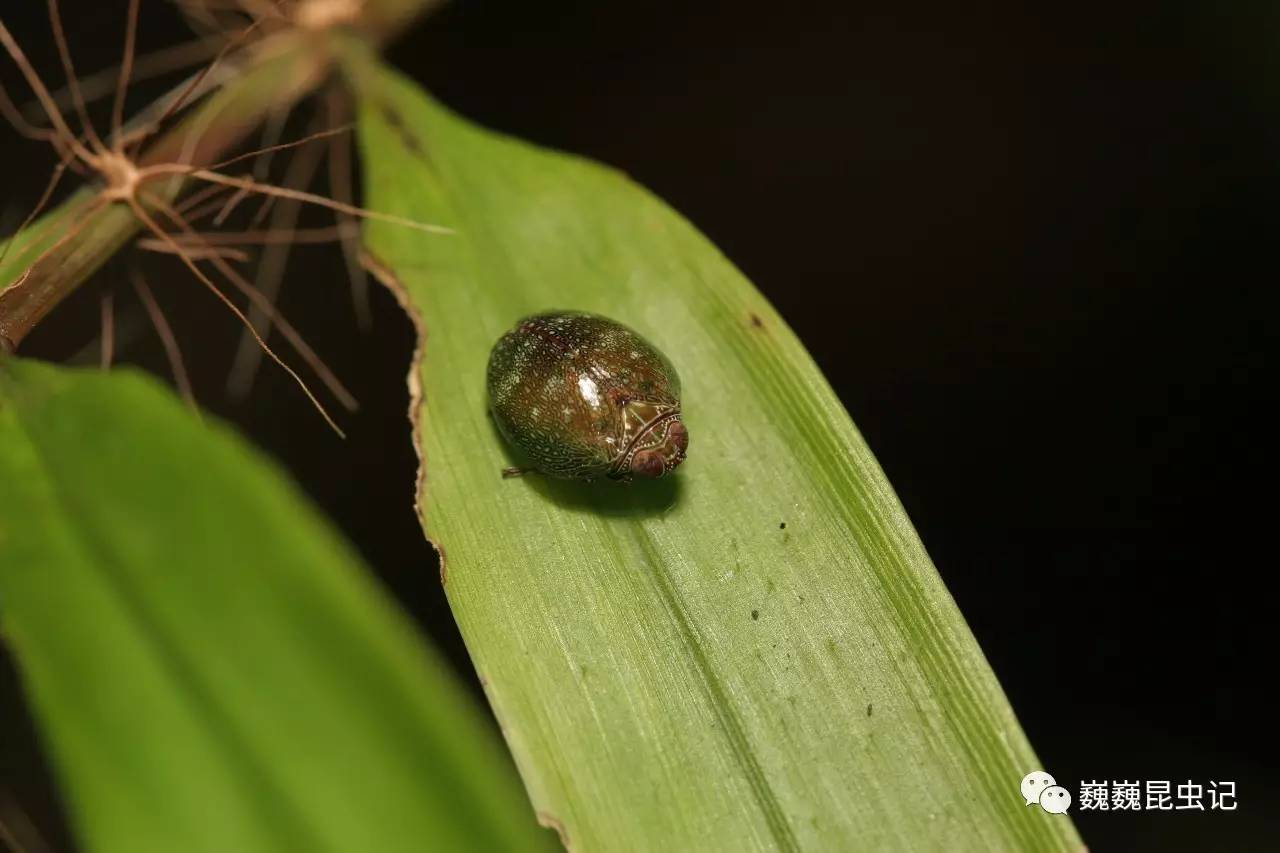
[
  {"x": 81, "y": 220},
  {"x": 263, "y": 79},
  {"x": 221, "y": 122}
]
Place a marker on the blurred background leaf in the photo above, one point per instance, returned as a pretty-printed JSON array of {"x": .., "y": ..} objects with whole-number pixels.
[
  {"x": 754, "y": 654},
  {"x": 210, "y": 665}
]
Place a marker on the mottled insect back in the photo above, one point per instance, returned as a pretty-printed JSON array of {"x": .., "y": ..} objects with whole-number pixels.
[{"x": 585, "y": 397}]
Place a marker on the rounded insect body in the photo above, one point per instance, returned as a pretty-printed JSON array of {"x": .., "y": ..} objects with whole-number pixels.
[{"x": 585, "y": 397}]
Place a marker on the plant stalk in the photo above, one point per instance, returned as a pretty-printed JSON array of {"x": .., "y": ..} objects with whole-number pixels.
[{"x": 272, "y": 74}]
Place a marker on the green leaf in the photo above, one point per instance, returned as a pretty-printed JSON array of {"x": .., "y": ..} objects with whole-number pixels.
[
  {"x": 674, "y": 669},
  {"x": 210, "y": 666}
]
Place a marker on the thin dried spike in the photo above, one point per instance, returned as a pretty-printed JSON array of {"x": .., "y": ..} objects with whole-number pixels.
[
  {"x": 202, "y": 253},
  {"x": 298, "y": 195},
  {"x": 283, "y": 146},
  {"x": 198, "y": 10},
  {"x": 63, "y": 130},
  {"x": 171, "y": 349},
  {"x": 342, "y": 185},
  {"x": 272, "y": 132},
  {"x": 298, "y": 236},
  {"x": 9, "y": 110},
  {"x": 81, "y": 170},
  {"x": 64, "y": 53},
  {"x": 126, "y": 69},
  {"x": 260, "y": 173},
  {"x": 217, "y": 14},
  {"x": 262, "y": 10},
  {"x": 287, "y": 329},
  {"x": 199, "y": 197},
  {"x": 164, "y": 60},
  {"x": 271, "y": 135},
  {"x": 198, "y": 213},
  {"x": 145, "y": 123},
  {"x": 150, "y": 223},
  {"x": 270, "y": 274},
  {"x": 291, "y": 334},
  {"x": 231, "y": 204},
  {"x": 49, "y": 188},
  {"x": 180, "y": 101},
  {"x": 268, "y": 204},
  {"x": 108, "y": 306}
]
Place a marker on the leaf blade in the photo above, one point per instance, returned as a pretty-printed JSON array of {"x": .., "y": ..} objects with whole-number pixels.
[
  {"x": 207, "y": 662},
  {"x": 670, "y": 663}
]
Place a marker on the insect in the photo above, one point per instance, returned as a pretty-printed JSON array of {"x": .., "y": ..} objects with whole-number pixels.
[{"x": 585, "y": 397}]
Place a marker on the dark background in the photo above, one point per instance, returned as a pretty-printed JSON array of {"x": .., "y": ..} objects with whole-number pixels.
[{"x": 1030, "y": 248}]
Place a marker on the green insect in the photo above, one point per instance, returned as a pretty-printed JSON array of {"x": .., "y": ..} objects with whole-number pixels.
[{"x": 585, "y": 397}]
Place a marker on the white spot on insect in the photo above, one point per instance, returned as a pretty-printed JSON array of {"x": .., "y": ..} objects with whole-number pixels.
[
  {"x": 590, "y": 392},
  {"x": 635, "y": 354}
]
